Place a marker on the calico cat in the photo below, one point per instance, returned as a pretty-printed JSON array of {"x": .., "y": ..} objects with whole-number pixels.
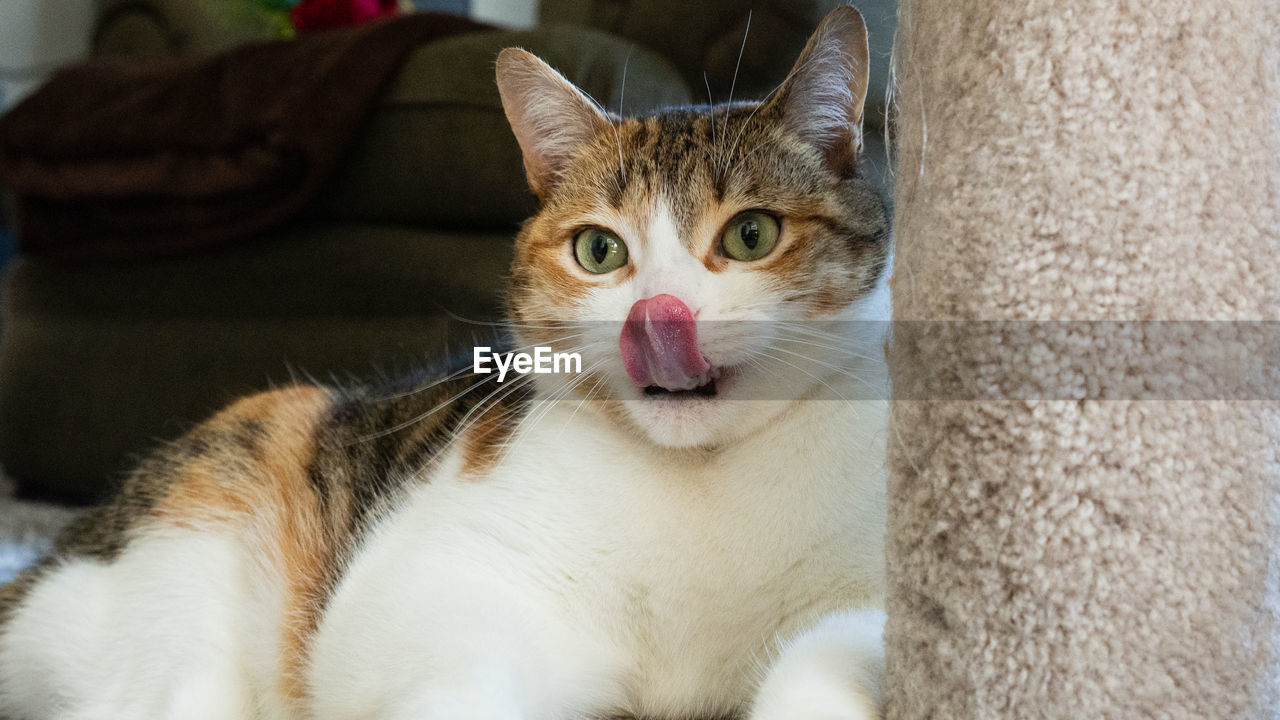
[{"x": 691, "y": 527}]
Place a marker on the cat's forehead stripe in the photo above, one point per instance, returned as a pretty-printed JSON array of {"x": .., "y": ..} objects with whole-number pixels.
[
  {"x": 697, "y": 157},
  {"x": 668, "y": 155}
]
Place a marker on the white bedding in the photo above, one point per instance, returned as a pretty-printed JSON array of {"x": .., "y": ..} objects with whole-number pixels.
[{"x": 27, "y": 530}]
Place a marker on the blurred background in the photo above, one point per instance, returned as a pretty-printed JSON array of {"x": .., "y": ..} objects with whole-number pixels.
[{"x": 36, "y": 37}]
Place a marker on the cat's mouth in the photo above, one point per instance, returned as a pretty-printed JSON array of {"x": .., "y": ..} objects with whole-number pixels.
[
  {"x": 706, "y": 387},
  {"x": 659, "y": 345}
]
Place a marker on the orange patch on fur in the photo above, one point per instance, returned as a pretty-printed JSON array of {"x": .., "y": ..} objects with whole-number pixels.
[
  {"x": 485, "y": 439},
  {"x": 254, "y": 478}
]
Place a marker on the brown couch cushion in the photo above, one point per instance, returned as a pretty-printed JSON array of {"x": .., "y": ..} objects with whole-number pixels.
[
  {"x": 101, "y": 362},
  {"x": 438, "y": 150}
]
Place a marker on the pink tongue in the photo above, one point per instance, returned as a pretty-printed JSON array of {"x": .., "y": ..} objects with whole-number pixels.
[{"x": 660, "y": 344}]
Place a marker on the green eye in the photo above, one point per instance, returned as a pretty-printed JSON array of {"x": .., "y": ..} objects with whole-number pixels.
[
  {"x": 599, "y": 251},
  {"x": 750, "y": 236}
]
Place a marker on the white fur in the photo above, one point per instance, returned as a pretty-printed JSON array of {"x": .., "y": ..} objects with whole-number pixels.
[
  {"x": 571, "y": 582},
  {"x": 624, "y": 578},
  {"x": 592, "y": 572},
  {"x": 834, "y": 671},
  {"x": 156, "y": 635}
]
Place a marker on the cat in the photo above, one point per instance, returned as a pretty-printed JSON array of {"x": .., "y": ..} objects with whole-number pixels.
[{"x": 691, "y": 527}]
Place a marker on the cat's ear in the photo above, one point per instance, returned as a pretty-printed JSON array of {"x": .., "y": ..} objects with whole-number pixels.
[
  {"x": 821, "y": 100},
  {"x": 550, "y": 117}
]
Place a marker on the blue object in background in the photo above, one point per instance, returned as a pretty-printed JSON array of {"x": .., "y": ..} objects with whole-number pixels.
[{"x": 459, "y": 7}]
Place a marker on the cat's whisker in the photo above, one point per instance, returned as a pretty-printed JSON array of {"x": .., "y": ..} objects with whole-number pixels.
[
  {"x": 784, "y": 361},
  {"x": 759, "y": 146},
  {"x": 743, "y": 126},
  {"x": 622, "y": 94},
  {"x": 776, "y": 296},
  {"x": 590, "y": 394},
  {"x": 568, "y": 387},
  {"x": 503, "y": 323},
  {"x": 844, "y": 350},
  {"x": 549, "y": 402},
  {"x": 732, "y": 85},
  {"x": 479, "y": 410},
  {"x": 833, "y": 368},
  {"x": 799, "y": 68},
  {"x": 755, "y": 362},
  {"x": 842, "y": 345},
  {"x": 715, "y": 164},
  {"x": 428, "y": 413},
  {"x": 520, "y": 384},
  {"x": 422, "y": 388},
  {"x": 806, "y": 331},
  {"x": 614, "y": 122},
  {"x": 468, "y": 368},
  {"x": 424, "y": 415},
  {"x": 776, "y": 299}
]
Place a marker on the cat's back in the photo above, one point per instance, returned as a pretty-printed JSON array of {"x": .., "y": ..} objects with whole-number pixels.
[{"x": 246, "y": 523}]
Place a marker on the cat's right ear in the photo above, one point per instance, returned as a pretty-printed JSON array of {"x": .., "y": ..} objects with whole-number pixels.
[{"x": 550, "y": 117}]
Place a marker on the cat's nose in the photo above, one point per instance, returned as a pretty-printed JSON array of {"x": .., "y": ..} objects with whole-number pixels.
[{"x": 660, "y": 344}]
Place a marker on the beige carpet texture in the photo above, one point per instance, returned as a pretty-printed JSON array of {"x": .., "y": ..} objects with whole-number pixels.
[{"x": 1083, "y": 513}]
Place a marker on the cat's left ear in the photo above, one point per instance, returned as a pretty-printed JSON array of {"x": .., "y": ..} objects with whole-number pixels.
[
  {"x": 551, "y": 118},
  {"x": 821, "y": 100}
]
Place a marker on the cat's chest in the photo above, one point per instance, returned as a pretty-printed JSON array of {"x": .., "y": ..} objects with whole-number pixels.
[
  {"x": 705, "y": 592},
  {"x": 698, "y": 565},
  {"x": 676, "y": 573}
]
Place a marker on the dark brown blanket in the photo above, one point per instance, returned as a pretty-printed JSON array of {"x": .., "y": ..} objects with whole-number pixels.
[{"x": 116, "y": 160}]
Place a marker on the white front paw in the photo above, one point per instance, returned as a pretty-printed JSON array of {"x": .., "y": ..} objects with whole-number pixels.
[
  {"x": 831, "y": 672},
  {"x": 814, "y": 699}
]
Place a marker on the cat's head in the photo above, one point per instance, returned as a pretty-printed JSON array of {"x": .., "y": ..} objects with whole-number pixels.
[{"x": 678, "y": 252}]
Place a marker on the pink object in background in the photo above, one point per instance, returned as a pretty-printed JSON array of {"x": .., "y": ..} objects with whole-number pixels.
[{"x": 309, "y": 15}]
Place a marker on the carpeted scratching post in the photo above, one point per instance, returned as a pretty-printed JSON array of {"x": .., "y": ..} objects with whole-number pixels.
[{"x": 1072, "y": 533}]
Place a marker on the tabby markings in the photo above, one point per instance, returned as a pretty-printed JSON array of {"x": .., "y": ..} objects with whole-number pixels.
[{"x": 542, "y": 361}]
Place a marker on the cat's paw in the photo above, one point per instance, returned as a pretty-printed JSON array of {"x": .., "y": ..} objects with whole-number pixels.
[
  {"x": 814, "y": 699},
  {"x": 831, "y": 672}
]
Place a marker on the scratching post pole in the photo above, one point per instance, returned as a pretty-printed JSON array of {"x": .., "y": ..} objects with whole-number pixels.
[{"x": 1060, "y": 550}]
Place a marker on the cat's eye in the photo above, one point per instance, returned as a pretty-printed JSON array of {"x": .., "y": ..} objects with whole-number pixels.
[
  {"x": 599, "y": 251},
  {"x": 750, "y": 236}
]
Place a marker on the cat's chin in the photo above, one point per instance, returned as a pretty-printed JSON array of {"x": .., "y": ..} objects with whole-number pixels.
[
  {"x": 704, "y": 417},
  {"x": 679, "y": 423},
  {"x": 699, "y": 423}
]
